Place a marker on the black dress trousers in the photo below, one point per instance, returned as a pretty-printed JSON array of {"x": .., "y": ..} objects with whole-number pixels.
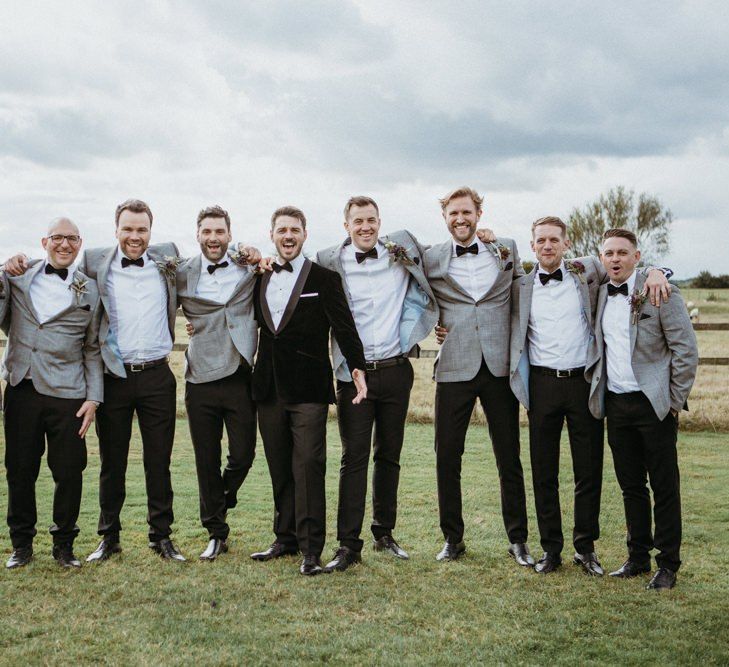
[
  {"x": 454, "y": 403},
  {"x": 31, "y": 419},
  {"x": 644, "y": 449},
  {"x": 210, "y": 406},
  {"x": 385, "y": 408},
  {"x": 151, "y": 394},
  {"x": 553, "y": 400}
]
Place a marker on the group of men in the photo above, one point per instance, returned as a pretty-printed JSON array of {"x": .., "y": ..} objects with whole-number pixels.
[{"x": 573, "y": 340}]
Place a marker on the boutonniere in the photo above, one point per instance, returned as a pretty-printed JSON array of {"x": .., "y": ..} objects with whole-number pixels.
[
  {"x": 502, "y": 254},
  {"x": 578, "y": 268},
  {"x": 168, "y": 266},
  {"x": 398, "y": 253},
  {"x": 239, "y": 257},
  {"x": 78, "y": 287},
  {"x": 637, "y": 299}
]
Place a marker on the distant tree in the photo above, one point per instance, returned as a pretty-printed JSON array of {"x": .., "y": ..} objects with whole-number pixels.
[
  {"x": 707, "y": 281},
  {"x": 647, "y": 219},
  {"x": 527, "y": 265}
]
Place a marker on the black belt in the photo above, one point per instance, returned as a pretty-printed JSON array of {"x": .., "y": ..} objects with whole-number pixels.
[
  {"x": 138, "y": 368},
  {"x": 385, "y": 363},
  {"x": 554, "y": 372}
]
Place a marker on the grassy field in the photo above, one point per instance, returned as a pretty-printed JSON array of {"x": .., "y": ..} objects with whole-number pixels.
[{"x": 137, "y": 609}]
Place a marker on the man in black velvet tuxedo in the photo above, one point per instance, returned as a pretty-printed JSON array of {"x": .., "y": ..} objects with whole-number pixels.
[{"x": 296, "y": 305}]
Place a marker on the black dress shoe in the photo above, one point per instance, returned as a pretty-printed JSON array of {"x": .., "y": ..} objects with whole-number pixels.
[
  {"x": 663, "y": 579},
  {"x": 589, "y": 564},
  {"x": 109, "y": 545},
  {"x": 311, "y": 565},
  {"x": 167, "y": 550},
  {"x": 519, "y": 551},
  {"x": 548, "y": 563},
  {"x": 451, "y": 551},
  {"x": 20, "y": 556},
  {"x": 215, "y": 547},
  {"x": 386, "y": 543},
  {"x": 63, "y": 553},
  {"x": 631, "y": 569},
  {"x": 276, "y": 550},
  {"x": 343, "y": 558}
]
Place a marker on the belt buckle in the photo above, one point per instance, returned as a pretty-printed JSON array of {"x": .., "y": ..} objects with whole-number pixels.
[
  {"x": 136, "y": 368},
  {"x": 563, "y": 374},
  {"x": 371, "y": 366}
]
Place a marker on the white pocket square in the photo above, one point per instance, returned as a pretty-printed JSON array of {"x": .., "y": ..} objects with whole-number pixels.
[{"x": 309, "y": 294}]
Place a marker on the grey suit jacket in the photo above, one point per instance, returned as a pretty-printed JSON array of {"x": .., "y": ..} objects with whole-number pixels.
[
  {"x": 4, "y": 300},
  {"x": 420, "y": 309},
  {"x": 224, "y": 332},
  {"x": 588, "y": 285},
  {"x": 664, "y": 354},
  {"x": 62, "y": 354},
  {"x": 95, "y": 263},
  {"x": 476, "y": 329}
]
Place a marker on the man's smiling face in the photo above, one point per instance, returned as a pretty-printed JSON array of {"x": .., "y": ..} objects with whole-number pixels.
[
  {"x": 461, "y": 217},
  {"x": 363, "y": 226}
]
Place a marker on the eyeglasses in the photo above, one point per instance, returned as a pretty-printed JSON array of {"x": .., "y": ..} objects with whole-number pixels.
[{"x": 57, "y": 239}]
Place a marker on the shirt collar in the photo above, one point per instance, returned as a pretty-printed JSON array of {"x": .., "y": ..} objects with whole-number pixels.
[
  {"x": 71, "y": 270},
  {"x": 351, "y": 249},
  {"x": 481, "y": 245},
  {"x": 296, "y": 263},
  {"x": 119, "y": 254}
]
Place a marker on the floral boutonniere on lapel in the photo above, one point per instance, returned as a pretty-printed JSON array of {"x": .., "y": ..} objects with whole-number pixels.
[
  {"x": 578, "y": 268},
  {"x": 398, "y": 253},
  {"x": 78, "y": 287},
  {"x": 168, "y": 266},
  {"x": 637, "y": 299},
  {"x": 502, "y": 254}
]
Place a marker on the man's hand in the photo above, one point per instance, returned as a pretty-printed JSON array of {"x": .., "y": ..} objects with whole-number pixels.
[
  {"x": 486, "y": 235},
  {"x": 440, "y": 334},
  {"x": 189, "y": 328},
  {"x": 17, "y": 265},
  {"x": 87, "y": 411},
  {"x": 253, "y": 254},
  {"x": 657, "y": 287},
  {"x": 266, "y": 264},
  {"x": 360, "y": 385}
]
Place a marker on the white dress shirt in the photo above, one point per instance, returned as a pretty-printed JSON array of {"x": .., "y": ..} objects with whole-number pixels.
[
  {"x": 475, "y": 273},
  {"x": 558, "y": 332},
  {"x": 138, "y": 310},
  {"x": 280, "y": 287},
  {"x": 49, "y": 294},
  {"x": 377, "y": 288},
  {"x": 616, "y": 323},
  {"x": 219, "y": 285}
]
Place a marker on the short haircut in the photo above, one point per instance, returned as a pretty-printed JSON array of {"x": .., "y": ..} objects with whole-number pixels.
[
  {"x": 550, "y": 220},
  {"x": 135, "y": 206},
  {"x": 463, "y": 191},
  {"x": 360, "y": 201},
  {"x": 213, "y": 212},
  {"x": 621, "y": 233},
  {"x": 291, "y": 212}
]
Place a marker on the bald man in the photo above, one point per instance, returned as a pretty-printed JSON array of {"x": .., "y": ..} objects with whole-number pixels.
[{"x": 55, "y": 383}]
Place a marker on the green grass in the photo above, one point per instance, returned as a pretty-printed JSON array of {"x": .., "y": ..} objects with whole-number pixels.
[{"x": 137, "y": 609}]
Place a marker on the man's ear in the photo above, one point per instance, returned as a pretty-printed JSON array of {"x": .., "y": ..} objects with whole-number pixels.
[{"x": 567, "y": 242}]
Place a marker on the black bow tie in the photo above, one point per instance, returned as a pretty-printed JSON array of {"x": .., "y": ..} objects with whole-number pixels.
[
  {"x": 61, "y": 273},
  {"x": 286, "y": 266},
  {"x": 473, "y": 249},
  {"x": 546, "y": 277},
  {"x": 362, "y": 256},
  {"x": 621, "y": 289},
  {"x": 212, "y": 268},
  {"x": 128, "y": 262}
]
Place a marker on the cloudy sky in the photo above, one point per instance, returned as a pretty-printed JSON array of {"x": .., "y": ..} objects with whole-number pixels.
[{"x": 540, "y": 106}]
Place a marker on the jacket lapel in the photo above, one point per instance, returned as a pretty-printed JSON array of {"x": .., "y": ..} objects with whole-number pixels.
[
  {"x": 584, "y": 293},
  {"x": 169, "y": 284},
  {"x": 526, "y": 288},
  {"x": 638, "y": 287},
  {"x": 445, "y": 262},
  {"x": 295, "y": 294},
  {"x": 24, "y": 283},
  {"x": 193, "y": 274},
  {"x": 262, "y": 286}
]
